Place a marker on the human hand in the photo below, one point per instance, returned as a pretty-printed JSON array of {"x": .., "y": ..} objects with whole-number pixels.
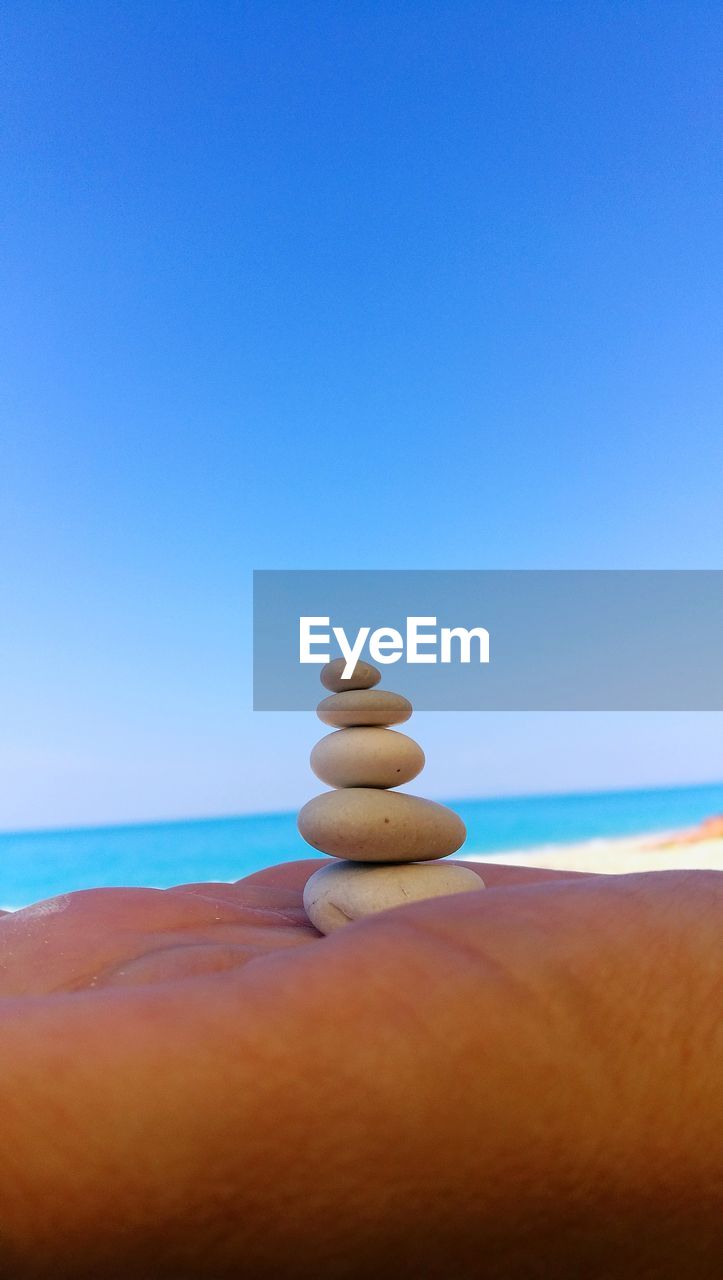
[{"x": 516, "y": 1083}]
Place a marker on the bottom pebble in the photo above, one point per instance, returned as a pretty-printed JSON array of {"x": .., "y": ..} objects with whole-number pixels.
[{"x": 346, "y": 891}]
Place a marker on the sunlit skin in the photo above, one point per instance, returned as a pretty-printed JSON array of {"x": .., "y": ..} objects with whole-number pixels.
[{"x": 518, "y": 1083}]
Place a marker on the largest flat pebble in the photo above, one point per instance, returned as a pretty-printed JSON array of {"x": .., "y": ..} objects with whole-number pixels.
[
  {"x": 367, "y": 825},
  {"x": 346, "y": 891}
]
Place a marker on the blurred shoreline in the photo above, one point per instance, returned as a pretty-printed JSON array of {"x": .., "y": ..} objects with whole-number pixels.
[{"x": 698, "y": 848}]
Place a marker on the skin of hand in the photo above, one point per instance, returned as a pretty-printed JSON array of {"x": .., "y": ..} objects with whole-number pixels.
[{"x": 518, "y": 1083}]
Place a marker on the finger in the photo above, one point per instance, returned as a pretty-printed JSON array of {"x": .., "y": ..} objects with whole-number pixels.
[
  {"x": 241, "y": 894},
  {"x": 498, "y": 876},
  {"x": 256, "y": 898},
  {"x": 285, "y": 875}
]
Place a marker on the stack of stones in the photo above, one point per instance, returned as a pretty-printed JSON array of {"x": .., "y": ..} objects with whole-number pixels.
[{"x": 388, "y": 843}]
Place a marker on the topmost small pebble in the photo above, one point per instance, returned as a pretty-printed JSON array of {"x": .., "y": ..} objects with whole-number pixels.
[{"x": 364, "y": 676}]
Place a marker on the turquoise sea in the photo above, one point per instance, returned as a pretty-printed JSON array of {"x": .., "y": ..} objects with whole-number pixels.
[{"x": 36, "y": 865}]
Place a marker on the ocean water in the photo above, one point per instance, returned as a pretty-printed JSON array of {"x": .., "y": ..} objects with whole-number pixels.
[{"x": 36, "y": 865}]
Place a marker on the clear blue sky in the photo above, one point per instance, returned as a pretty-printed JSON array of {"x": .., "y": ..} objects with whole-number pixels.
[{"x": 326, "y": 285}]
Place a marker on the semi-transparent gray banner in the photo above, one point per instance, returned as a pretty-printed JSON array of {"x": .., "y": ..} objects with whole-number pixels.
[{"x": 502, "y": 640}]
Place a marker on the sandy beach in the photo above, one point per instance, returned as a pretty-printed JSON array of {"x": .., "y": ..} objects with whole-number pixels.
[{"x": 658, "y": 851}]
